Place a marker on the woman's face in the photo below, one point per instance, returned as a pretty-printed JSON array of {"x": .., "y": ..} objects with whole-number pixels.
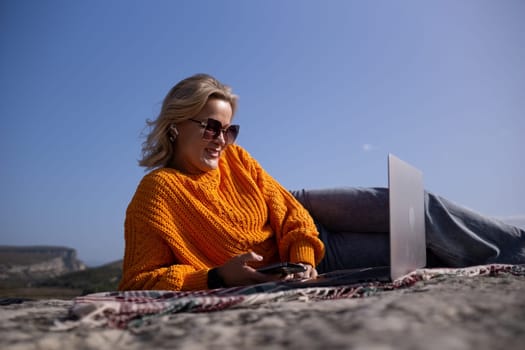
[{"x": 193, "y": 154}]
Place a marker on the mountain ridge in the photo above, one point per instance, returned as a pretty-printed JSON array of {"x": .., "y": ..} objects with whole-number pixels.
[{"x": 41, "y": 270}]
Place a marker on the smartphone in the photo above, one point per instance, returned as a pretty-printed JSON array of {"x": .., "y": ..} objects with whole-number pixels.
[{"x": 285, "y": 268}]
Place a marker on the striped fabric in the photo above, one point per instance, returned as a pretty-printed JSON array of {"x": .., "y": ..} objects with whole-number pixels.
[{"x": 124, "y": 309}]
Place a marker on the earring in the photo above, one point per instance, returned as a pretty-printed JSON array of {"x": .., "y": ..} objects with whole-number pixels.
[{"x": 173, "y": 133}]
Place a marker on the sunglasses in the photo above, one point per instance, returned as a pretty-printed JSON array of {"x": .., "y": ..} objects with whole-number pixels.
[{"x": 213, "y": 128}]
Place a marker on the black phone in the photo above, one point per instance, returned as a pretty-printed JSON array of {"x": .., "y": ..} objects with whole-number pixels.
[{"x": 285, "y": 268}]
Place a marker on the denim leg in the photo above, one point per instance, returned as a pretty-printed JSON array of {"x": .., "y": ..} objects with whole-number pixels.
[
  {"x": 348, "y": 250},
  {"x": 462, "y": 237},
  {"x": 354, "y": 223},
  {"x": 348, "y": 209}
]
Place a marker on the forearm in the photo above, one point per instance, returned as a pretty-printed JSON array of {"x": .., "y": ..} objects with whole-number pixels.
[
  {"x": 150, "y": 264},
  {"x": 302, "y": 251},
  {"x": 297, "y": 234},
  {"x": 175, "y": 277},
  {"x": 295, "y": 230}
]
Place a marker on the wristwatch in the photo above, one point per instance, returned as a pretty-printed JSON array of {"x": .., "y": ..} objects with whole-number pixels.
[{"x": 214, "y": 279}]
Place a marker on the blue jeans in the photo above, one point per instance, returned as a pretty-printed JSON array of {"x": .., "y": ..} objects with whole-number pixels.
[{"x": 354, "y": 222}]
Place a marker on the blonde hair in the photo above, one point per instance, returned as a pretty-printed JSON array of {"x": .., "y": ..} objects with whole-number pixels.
[{"x": 184, "y": 101}]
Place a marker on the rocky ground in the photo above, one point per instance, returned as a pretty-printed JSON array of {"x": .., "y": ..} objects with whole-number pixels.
[{"x": 452, "y": 313}]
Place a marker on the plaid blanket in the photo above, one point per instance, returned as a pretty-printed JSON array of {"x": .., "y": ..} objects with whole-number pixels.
[{"x": 132, "y": 308}]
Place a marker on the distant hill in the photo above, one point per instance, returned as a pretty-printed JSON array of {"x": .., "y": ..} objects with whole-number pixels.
[
  {"x": 91, "y": 280},
  {"x": 25, "y": 265},
  {"x": 51, "y": 271}
]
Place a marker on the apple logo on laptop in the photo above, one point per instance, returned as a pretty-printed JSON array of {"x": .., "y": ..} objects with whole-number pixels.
[{"x": 412, "y": 218}]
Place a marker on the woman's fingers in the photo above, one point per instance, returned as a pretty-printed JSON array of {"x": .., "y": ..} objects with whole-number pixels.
[
  {"x": 310, "y": 272},
  {"x": 247, "y": 257},
  {"x": 237, "y": 272}
]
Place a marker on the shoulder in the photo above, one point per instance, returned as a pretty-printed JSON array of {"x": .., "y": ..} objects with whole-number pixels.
[
  {"x": 157, "y": 184},
  {"x": 157, "y": 177},
  {"x": 237, "y": 160},
  {"x": 235, "y": 153},
  {"x": 156, "y": 193}
]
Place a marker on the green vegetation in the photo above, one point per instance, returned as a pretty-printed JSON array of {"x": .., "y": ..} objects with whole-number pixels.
[
  {"x": 38, "y": 272},
  {"x": 92, "y": 280}
]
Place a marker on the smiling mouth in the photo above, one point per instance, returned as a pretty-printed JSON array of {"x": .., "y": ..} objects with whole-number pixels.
[{"x": 213, "y": 153}]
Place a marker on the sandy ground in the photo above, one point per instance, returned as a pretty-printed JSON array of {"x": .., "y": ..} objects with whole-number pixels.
[{"x": 455, "y": 313}]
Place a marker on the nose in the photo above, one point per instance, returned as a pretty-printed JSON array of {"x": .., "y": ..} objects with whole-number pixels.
[{"x": 220, "y": 139}]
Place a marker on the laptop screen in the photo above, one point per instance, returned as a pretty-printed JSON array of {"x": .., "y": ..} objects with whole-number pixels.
[{"x": 407, "y": 217}]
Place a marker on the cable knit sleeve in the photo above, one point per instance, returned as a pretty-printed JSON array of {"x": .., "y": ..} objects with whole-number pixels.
[
  {"x": 149, "y": 261},
  {"x": 296, "y": 233}
]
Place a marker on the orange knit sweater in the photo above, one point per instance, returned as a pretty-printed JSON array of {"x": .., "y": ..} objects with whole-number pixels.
[{"x": 179, "y": 226}]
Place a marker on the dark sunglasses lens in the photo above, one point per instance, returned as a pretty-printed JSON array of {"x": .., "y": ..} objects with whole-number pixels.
[
  {"x": 212, "y": 129},
  {"x": 231, "y": 133}
]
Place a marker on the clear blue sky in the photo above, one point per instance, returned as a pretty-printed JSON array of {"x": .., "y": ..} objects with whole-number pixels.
[{"x": 327, "y": 89}]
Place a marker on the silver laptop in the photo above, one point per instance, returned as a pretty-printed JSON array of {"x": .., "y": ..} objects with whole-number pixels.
[
  {"x": 407, "y": 232},
  {"x": 407, "y": 218}
]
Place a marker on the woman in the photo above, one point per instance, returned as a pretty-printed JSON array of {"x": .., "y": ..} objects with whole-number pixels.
[{"x": 208, "y": 215}]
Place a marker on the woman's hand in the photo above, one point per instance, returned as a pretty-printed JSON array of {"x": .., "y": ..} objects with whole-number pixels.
[
  {"x": 310, "y": 272},
  {"x": 236, "y": 272}
]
